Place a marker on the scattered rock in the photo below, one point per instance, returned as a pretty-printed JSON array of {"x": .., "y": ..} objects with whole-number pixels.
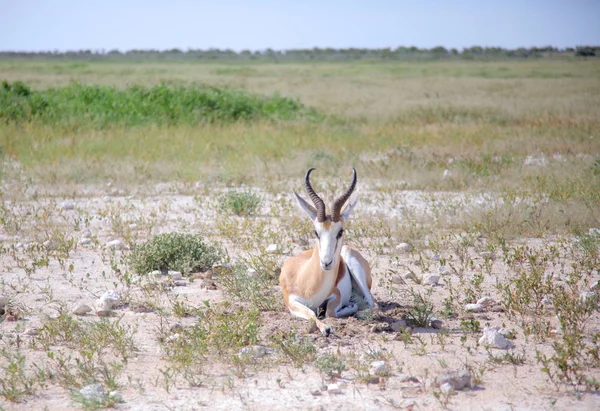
[
  {"x": 446, "y": 388},
  {"x": 507, "y": 333},
  {"x": 442, "y": 270},
  {"x": 81, "y": 309},
  {"x": 86, "y": 233},
  {"x": 486, "y": 301},
  {"x": 334, "y": 389},
  {"x": 67, "y": 205},
  {"x": 407, "y": 378},
  {"x": 534, "y": 161},
  {"x": 252, "y": 273},
  {"x": 85, "y": 240},
  {"x": 380, "y": 327},
  {"x": 594, "y": 231},
  {"x": 488, "y": 255},
  {"x": 556, "y": 332},
  {"x": 19, "y": 245},
  {"x": 474, "y": 308},
  {"x": 49, "y": 244},
  {"x": 133, "y": 226},
  {"x": 404, "y": 247},
  {"x": 111, "y": 298},
  {"x": 492, "y": 338},
  {"x": 436, "y": 324},
  {"x": 181, "y": 283},
  {"x": 31, "y": 331},
  {"x": 398, "y": 326},
  {"x": 316, "y": 393},
  {"x": 431, "y": 279},
  {"x": 256, "y": 351},
  {"x": 458, "y": 380},
  {"x": 380, "y": 368},
  {"x": 175, "y": 275},
  {"x": 3, "y": 301},
  {"x": 114, "y": 244},
  {"x": 93, "y": 393},
  {"x": 115, "y": 396},
  {"x": 436, "y": 257},
  {"x": 447, "y": 173},
  {"x": 272, "y": 249}
]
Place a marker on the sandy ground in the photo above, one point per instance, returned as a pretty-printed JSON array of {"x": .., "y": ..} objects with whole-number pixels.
[{"x": 271, "y": 384}]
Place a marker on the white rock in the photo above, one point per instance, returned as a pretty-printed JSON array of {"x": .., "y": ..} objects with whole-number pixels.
[
  {"x": 534, "y": 161},
  {"x": 114, "y": 244},
  {"x": 110, "y": 299},
  {"x": 404, "y": 247},
  {"x": 446, "y": 388},
  {"x": 594, "y": 231},
  {"x": 85, "y": 240},
  {"x": 447, "y": 173},
  {"x": 252, "y": 273},
  {"x": 67, "y": 205},
  {"x": 3, "y": 301},
  {"x": 19, "y": 245},
  {"x": 556, "y": 332},
  {"x": 486, "y": 301},
  {"x": 256, "y": 351},
  {"x": 442, "y": 269},
  {"x": 115, "y": 396},
  {"x": 175, "y": 275},
  {"x": 458, "y": 380},
  {"x": 431, "y": 279},
  {"x": 133, "y": 226},
  {"x": 86, "y": 233},
  {"x": 81, "y": 309},
  {"x": 436, "y": 257},
  {"x": 49, "y": 244},
  {"x": 380, "y": 368},
  {"x": 492, "y": 338},
  {"x": 506, "y": 333},
  {"x": 32, "y": 331},
  {"x": 407, "y": 378},
  {"x": 93, "y": 392},
  {"x": 272, "y": 249},
  {"x": 334, "y": 389},
  {"x": 474, "y": 308}
]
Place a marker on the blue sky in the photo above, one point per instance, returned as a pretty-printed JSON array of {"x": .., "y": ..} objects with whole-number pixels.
[{"x": 255, "y": 25}]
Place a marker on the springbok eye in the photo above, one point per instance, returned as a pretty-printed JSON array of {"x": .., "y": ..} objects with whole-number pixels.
[
  {"x": 316, "y": 234},
  {"x": 340, "y": 233}
]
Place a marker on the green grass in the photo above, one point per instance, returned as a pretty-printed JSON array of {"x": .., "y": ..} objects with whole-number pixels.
[{"x": 79, "y": 105}]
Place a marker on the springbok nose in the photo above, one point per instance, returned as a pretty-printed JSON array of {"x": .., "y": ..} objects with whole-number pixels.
[{"x": 326, "y": 266}]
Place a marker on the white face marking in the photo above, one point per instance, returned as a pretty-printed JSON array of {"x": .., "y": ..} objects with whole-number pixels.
[{"x": 329, "y": 238}]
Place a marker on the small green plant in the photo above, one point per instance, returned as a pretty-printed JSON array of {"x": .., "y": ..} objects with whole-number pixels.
[
  {"x": 250, "y": 287},
  {"x": 241, "y": 203},
  {"x": 174, "y": 251},
  {"x": 421, "y": 311},
  {"x": 331, "y": 365},
  {"x": 470, "y": 325},
  {"x": 15, "y": 381},
  {"x": 296, "y": 348}
]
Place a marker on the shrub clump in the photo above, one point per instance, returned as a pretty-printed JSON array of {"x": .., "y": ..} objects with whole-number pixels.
[
  {"x": 244, "y": 203},
  {"x": 186, "y": 253},
  {"x": 102, "y": 106}
]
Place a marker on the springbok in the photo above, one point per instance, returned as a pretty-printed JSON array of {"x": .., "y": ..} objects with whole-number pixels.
[{"x": 327, "y": 273}]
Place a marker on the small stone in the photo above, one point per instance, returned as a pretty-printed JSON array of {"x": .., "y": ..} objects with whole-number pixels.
[
  {"x": 436, "y": 257},
  {"x": 181, "y": 283},
  {"x": 67, "y": 205},
  {"x": 256, "y": 351},
  {"x": 458, "y": 380},
  {"x": 488, "y": 255},
  {"x": 446, "y": 388},
  {"x": 404, "y": 247},
  {"x": 114, "y": 244},
  {"x": 252, "y": 273},
  {"x": 93, "y": 392},
  {"x": 19, "y": 245},
  {"x": 556, "y": 332},
  {"x": 431, "y": 279},
  {"x": 333, "y": 389},
  {"x": 272, "y": 249},
  {"x": 111, "y": 298},
  {"x": 407, "y": 378},
  {"x": 81, "y": 309},
  {"x": 116, "y": 396},
  {"x": 492, "y": 338},
  {"x": 398, "y": 326},
  {"x": 436, "y": 324},
  {"x": 49, "y": 244},
  {"x": 473, "y": 308},
  {"x": 175, "y": 275},
  {"x": 380, "y": 368},
  {"x": 85, "y": 240},
  {"x": 442, "y": 269},
  {"x": 594, "y": 231},
  {"x": 172, "y": 338},
  {"x": 3, "y": 301},
  {"x": 447, "y": 173},
  {"x": 507, "y": 333},
  {"x": 380, "y": 327},
  {"x": 486, "y": 301},
  {"x": 133, "y": 226},
  {"x": 86, "y": 233},
  {"x": 32, "y": 331},
  {"x": 103, "y": 313},
  {"x": 316, "y": 393}
]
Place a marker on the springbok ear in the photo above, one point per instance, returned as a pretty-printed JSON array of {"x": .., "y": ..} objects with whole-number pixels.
[
  {"x": 346, "y": 214},
  {"x": 308, "y": 209}
]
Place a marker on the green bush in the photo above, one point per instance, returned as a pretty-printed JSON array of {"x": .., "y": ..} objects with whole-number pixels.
[
  {"x": 244, "y": 203},
  {"x": 102, "y": 106},
  {"x": 180, "y": 252}
]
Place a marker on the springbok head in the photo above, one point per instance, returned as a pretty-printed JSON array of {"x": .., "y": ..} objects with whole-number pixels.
[{"x": 328, "y": 228}]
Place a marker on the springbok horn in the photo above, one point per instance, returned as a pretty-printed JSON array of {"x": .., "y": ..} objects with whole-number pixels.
[
  {"x": 319, "y": 204},
  {"x": 339, "y": 203}
]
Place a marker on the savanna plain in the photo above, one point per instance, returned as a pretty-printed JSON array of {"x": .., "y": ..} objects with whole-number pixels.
[{"x": 147, "y": 209}]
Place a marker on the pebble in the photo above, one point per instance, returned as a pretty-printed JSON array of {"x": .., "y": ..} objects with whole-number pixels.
[
  {"x": 256, "y": 351},
  {"x": 32, "y": 331},
  {"x": 116, "y": 396},
  {"x": 447, "y": 173},
  {"x": 431, "y": 279},
  {"x": 81, "y": 309},
  {"x": 407, "y": 378},
  {"x": 399, "y": 326},
  {"x": 181, "y": 283},
  {"x": 507, "y": 333},
  {"x": 252, "y": 273},
  {"x": 442, "y": 269},
  {"x": 488, "y": 255},
  {"x": 109, "y": 300},
  {"x": 93, "y": 392},
  {"x": 492, "y": 338},
  {"x": 594, "y": 231},
  {"x": 436, "y": 257},
  {"x": 334, "y": 389},
  {"x": 133, "y": 226},
  {"x": 446, "y": 388},
  {"x": 86, "y": 233},
  {"x": 486, "y": 301},
  {"x": 436, "y": 324},
  {"x": 67, "y": 205},
  {"x": 474, "y": 308},
  {"x": 114, "y": 244},
  {"x": 272, "y": 249},
  {"x": 175, "y": 275},
  {"x": 556, "y": 332},
  {"x": 404, "y": 247},
  {"x": 49, "y": 244},
  {"x": 380, "y": 368},
  {"x": 458, "y": 380},
  {"x": 85, "y": 240},
  {"x": 3, "y": 301}
]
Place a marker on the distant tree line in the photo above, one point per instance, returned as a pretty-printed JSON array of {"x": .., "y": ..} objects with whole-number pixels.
[{"x": 317, "y": 54}]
